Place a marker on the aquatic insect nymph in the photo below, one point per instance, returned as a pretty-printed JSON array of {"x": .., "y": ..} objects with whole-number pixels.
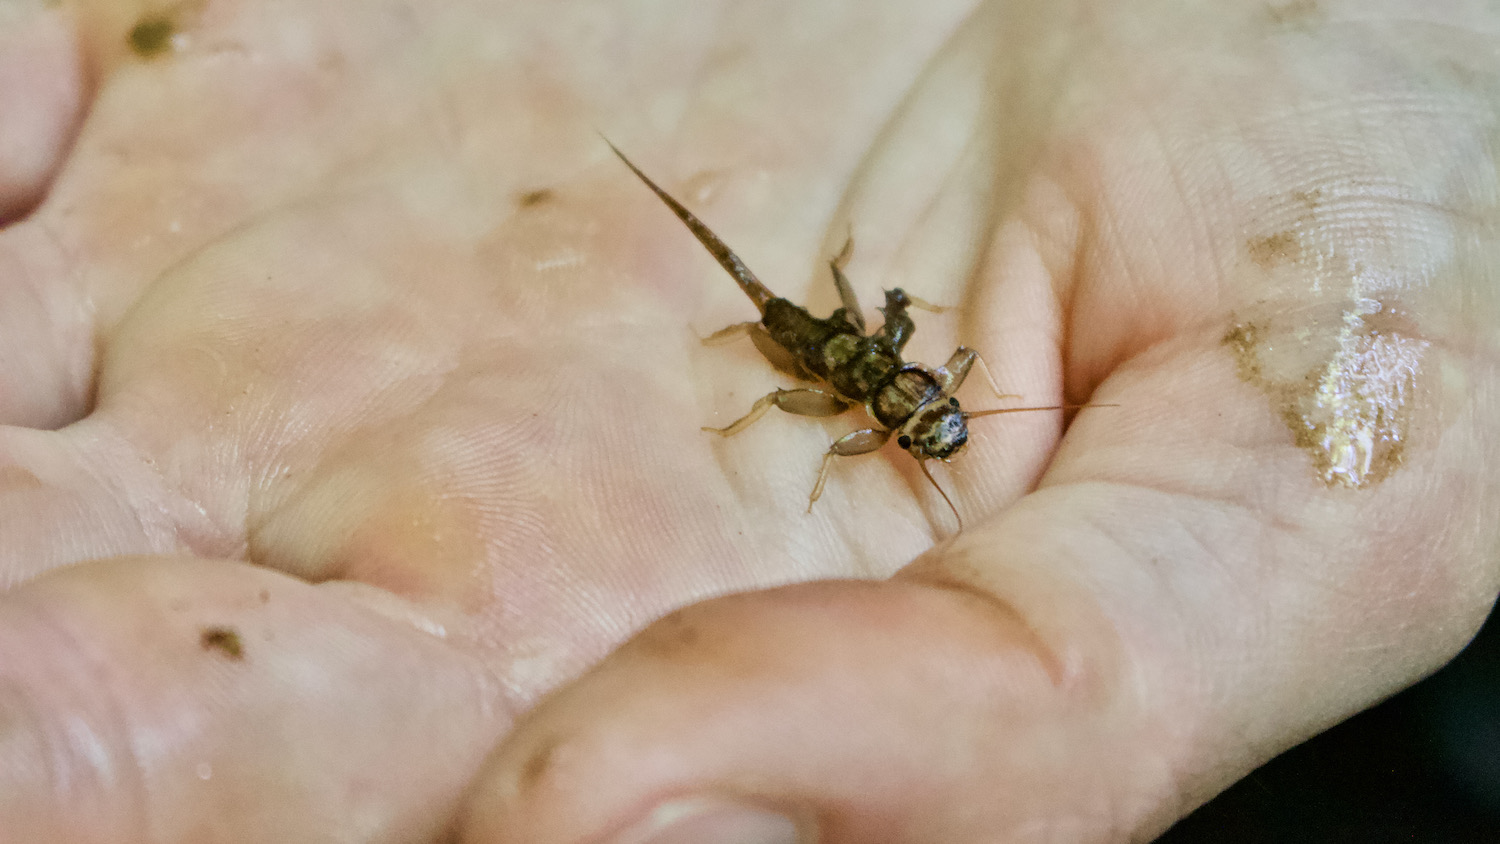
[{"x": 911, "y": 401}]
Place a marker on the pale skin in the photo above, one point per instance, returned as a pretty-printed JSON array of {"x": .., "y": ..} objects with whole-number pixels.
[{"x": 338, "y": 328}]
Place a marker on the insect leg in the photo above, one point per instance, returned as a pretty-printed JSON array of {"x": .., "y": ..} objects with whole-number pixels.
[
  {"x": 804, "y": 402},
  {"x": 777, "y": 354},
  {"x": 730, "y": 334},
  {"x": 898, "y": 324},
  {"x": 860, "y": 442},
  {"x": 924, "y": 305},
  {"x": 846, "y": 291},
  {"x": 772, "y": 351},
  {"x": 952, "y": 374}
]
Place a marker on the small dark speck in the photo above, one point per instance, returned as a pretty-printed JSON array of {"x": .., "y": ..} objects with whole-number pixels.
[
  {"x": 1274, "y": 249},
  {"x": 152, "y": 35},
  {"x": 536, "y": 765},
  {"x": 225, "y": 640},
  {"x": 535, "y": 197},
  {"x": 1294, "y": 13},
  {"x": 265, "y": 596}
]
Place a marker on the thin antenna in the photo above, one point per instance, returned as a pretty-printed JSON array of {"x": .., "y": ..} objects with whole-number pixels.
[
  {"x": 977, "y": 413},
  {"x": 758, "y": 293},
  {"x": 922, "y": 464}
]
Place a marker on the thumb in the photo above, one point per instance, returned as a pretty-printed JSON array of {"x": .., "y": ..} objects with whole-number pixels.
[
  {"x": 909, "y": 710},
  {"x": 1087, "y": 667}
]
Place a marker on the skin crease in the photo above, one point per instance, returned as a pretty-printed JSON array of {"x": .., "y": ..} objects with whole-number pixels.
[{"x": 339, "y": 328}]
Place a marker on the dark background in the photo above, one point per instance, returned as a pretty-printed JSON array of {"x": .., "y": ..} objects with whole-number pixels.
[{"x": 1422, "y": 767}]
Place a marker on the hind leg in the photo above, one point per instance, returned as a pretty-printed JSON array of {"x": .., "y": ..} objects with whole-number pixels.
[{"x": 805, "y": 402}]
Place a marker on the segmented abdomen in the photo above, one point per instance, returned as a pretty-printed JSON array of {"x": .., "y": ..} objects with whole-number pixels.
[
  {"x": 857, "y": 367},
  {"x": 803, "y": 334}
]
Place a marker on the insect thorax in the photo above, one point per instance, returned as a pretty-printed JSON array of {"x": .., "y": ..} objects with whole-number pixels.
[
  {"x": 860, "y": 367},
  {"x": 911, "y": 388}
]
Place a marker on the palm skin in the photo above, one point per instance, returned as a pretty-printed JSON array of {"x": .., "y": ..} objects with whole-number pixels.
[{"x": 345, "y": 326}]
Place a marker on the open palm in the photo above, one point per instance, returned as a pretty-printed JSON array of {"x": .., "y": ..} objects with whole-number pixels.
[{"x": 343, "y": 324}]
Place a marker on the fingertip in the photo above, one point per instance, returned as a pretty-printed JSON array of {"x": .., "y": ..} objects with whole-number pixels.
[
  {"x": 42, "y": 91},
  {"x": 715, "y": 820},
  {"x": 175, "y": 699}
]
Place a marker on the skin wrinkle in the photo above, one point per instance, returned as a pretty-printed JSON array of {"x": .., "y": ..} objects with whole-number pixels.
[
  {"x": 903, "y": 120},
  {"x": 1008, "y": 616},
  {"x": 962, "y": 163},
  {"x": 1101, "y": 530},
  {"x": 136, "y": 506},
  {"x": 1166, "y": 582},
  {"x": 1064, "y": 285},
  {"x": 1201, "y": 239},
  {"x": 75, "y": 374},
  {"x": 297, "y": 487},
  {"x": 116, "y": 792}
]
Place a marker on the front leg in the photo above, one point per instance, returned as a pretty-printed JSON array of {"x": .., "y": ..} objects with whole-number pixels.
[
  {"x": 951, "y": 375},
  {"x": 860, "y": 442},
  {"x": 805, "y": 402}
]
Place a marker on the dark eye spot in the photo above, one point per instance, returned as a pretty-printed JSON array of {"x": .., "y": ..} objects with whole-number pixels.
[
  {"x": 904, "y": 441},
  {"x": 953, "y": 402}
]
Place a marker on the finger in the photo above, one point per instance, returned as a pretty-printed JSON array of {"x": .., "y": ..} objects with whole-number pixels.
[
  {"x": 41, "y": 98},
  {"x": 187, "y": 700},
  {"x": 80, "y": 494},
  {"x": 46, "y": 349}
]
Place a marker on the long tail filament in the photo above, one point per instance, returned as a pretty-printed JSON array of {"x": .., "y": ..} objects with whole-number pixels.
[{"x": 731, "y": 262}]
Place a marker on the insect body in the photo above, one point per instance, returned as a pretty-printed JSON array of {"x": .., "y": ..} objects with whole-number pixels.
[{"x": 911, "y": 401}]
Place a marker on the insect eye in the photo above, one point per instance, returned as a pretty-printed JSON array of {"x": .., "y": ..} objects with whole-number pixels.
[
  {"x": 904, "y": 441},
  {"x": 953, "y": 402}
]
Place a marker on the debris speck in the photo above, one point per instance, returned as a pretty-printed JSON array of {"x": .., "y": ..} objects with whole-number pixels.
[
  {"x": 535, "y": 197},
  {"x": 225, "y": 640},
  {"x": 152, "y": 35}
]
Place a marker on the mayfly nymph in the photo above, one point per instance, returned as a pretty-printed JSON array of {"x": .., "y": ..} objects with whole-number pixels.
[{"x": 906, "y": 399}]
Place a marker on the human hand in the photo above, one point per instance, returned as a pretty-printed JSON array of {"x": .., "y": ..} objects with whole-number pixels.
[{"x": 344, "y": 334}]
